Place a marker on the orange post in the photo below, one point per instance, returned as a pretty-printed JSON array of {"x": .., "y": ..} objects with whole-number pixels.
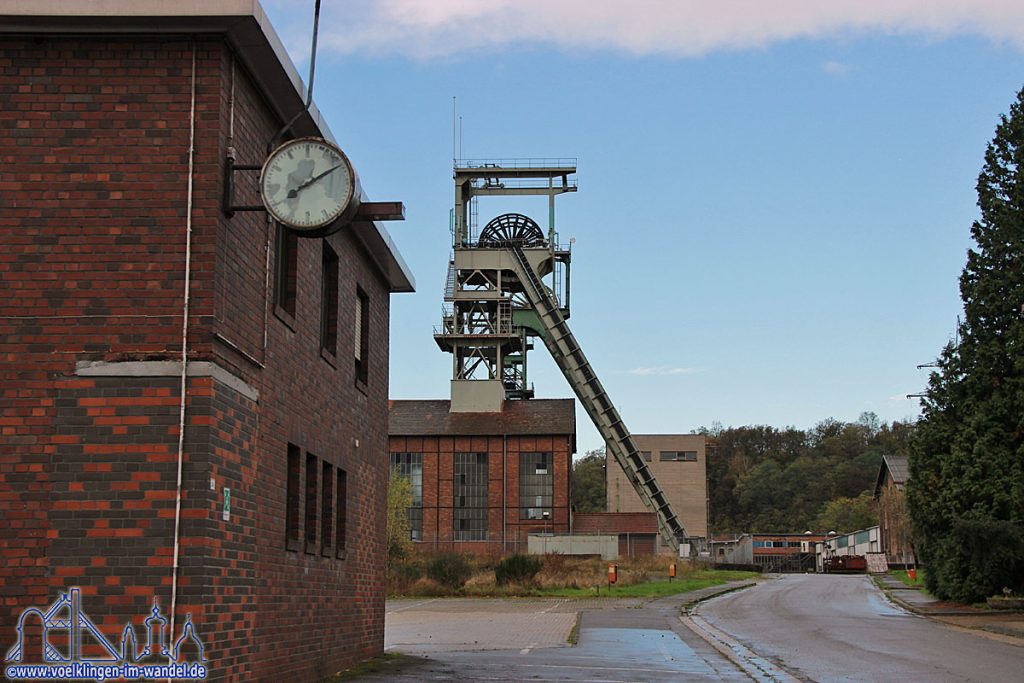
[
  {"x": 612, "y": 573},
  {"x": 671, "y": 572}
]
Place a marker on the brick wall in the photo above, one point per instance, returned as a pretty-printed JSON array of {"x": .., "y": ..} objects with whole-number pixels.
[
  {"x": 94, "y": 138},
  {"x": 506, "y": 532},
  {"x": 92, "y": 258}
]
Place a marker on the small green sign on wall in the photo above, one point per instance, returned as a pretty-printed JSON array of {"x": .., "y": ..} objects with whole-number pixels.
[{"x": 227, "y": 504}]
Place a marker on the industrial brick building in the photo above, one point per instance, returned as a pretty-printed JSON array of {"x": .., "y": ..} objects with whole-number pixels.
[
  {"x": 483, "y": 481},
  {"x": 116, "y": 247},
  {"x": 679, "y": 461},
  {"x": 637, "y": 532},
  {"x": 785, "y": 552}
]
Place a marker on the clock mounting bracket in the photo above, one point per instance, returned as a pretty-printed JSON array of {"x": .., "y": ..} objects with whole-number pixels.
[{"x": 367, "y": 211}]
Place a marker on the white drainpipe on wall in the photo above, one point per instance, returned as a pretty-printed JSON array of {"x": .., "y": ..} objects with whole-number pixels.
[{"x": 184, "y": 341}]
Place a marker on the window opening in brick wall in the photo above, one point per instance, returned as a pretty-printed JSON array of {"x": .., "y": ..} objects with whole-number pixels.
[
  {"x": 410, "y": 466},
  {"x": 286, "y": 269},
  {"x": 326, "y": 509},
  {"x": 470, "y": 504},
  {"x": 311, "y": 501},
  {"x": 536, "y": 485},
  {"x": 294, "y": 477},
  {"x": 341, "y": 516},
  {"x": 329, "y": 301},
  {"x": 679, "y": 456},
  {"x": 362, "y": 336}
]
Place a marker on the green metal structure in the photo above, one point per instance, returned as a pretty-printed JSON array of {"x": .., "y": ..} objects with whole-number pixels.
[{"x": 497, "y": 303}]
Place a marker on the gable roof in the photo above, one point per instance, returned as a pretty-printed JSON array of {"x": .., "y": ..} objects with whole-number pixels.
[
  {"x": 896, "y": 466},
  {"x": 537, "y": 416}
]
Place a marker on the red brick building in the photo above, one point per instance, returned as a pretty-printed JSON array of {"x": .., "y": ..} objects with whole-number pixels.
[
  {"x": 107, "y": 221},
  {"x": 637, "y": 531},
  {"x": 483, "y": 481}
]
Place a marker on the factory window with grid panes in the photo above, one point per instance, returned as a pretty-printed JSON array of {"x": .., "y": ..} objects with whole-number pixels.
[
  {"x": 470, "y": 496},
  {"x": 536, "y": 485},
  {"x": 410, "y": 466}
]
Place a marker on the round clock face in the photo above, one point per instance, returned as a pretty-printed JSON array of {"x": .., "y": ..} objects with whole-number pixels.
[{"x": 307, "y": 183}]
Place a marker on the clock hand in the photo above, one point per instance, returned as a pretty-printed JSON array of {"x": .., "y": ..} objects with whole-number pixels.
[{"x": 292, "y": 194}]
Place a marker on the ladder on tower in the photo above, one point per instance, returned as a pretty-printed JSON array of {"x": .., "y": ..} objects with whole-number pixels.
[{"x": 581, "y": 377}]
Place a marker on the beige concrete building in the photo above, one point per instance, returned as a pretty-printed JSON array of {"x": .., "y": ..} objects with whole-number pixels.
[{"x": 679, "y": 462}]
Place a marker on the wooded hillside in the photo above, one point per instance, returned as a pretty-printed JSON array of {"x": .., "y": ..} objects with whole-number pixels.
[{"x": 765, "y": 479}]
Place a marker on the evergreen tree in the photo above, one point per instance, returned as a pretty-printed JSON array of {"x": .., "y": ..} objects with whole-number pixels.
[{"x": 966, "y": 486}]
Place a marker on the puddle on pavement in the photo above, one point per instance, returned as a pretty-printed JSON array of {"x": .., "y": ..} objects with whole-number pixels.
[{"x": 643, "y": 645}]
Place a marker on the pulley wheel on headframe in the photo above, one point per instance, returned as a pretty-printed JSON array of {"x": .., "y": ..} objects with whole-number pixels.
[{"x": 512, "y": 228}]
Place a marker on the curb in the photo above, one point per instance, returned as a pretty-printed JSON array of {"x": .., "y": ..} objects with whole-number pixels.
[
  {"x": 688, "y": 606},
  {"x": 916, "y": 609},
  {"x": 925, "y": 612},
  {"x": 1005, "y": 631},
  {"x": 929, "y": 614}
]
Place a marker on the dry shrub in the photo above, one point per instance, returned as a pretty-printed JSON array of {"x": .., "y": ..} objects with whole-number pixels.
[
  {"x": 566, "y": 571},
  {"x": 428, "y": 588},
  {"x": 481, "y": 580}
]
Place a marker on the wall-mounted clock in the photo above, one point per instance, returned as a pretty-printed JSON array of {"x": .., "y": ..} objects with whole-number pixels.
[{"x": 310, "y": 186}]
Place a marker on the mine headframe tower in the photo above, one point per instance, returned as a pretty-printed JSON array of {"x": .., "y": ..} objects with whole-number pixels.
[{"x": 497, "y": 303}]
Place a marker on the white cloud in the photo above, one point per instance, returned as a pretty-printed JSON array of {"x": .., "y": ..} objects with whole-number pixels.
[
  {"x": 836, "y": 68},
  {"x": 680, "y": 28},
  {"x": 662, "y": 371}
]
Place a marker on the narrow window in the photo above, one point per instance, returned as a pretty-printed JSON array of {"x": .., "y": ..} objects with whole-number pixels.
[
  {"x": 341, "y": 518},
  {"x": 294, "y": 474},
  {"x": 362, "y": 336},
  {"x": 286, "y": 270},
  {"x": 410, "y": 465},
  {"x": 536, "y": 485},
  {"x": 311, "y": 501},
  {"x": 646, "y": 455},
  {"x": 329, "y": 301},
  {"x": 470, "y": 497},
  {"x": 326, "y": 510}
]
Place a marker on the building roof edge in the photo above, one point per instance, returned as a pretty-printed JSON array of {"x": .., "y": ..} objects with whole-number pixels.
[{"x": 249, "y": 31}]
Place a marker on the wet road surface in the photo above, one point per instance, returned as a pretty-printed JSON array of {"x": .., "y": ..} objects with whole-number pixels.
[
  {"x": 516, "y": 640},
  {"x": 842, "y": 628}
]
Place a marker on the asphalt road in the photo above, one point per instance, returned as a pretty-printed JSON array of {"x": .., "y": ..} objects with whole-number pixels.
[
  {"x": 526, "y": 640},
  {"x": 841, "y": 628}
]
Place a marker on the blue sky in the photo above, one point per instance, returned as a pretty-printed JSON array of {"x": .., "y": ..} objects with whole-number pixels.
[{"x": 773, "y": 210}]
